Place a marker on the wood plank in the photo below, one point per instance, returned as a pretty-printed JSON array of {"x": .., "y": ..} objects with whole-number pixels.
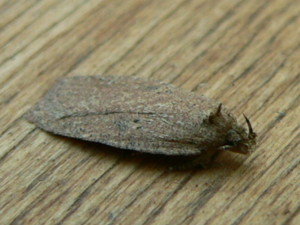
[{"x": 243, "y": 53}]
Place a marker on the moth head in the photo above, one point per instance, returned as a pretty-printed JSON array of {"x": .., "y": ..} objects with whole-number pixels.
[{"x": 239, "y": 140}]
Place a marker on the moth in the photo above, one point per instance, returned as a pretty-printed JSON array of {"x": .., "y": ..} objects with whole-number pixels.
[{"x": 141, "y": 115}]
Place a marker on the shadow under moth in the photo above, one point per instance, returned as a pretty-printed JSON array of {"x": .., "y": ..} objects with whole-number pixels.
[{"x": 141, "y": 115}]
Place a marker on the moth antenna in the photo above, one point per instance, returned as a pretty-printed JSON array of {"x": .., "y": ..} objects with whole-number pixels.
[
  {"x": 219, "y": 109},
  {"x": 251, "y": 133},
  {"x": 214, "y": 115}
]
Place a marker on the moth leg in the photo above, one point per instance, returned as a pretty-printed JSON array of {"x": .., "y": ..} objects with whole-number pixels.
[{"x": 197, "y": 161}]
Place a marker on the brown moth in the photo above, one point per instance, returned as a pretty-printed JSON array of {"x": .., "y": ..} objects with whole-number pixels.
[{"x": 142, "y": 115}]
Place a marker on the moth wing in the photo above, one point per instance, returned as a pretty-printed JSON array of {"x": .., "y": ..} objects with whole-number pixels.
[{"x": 124, "y": 112}]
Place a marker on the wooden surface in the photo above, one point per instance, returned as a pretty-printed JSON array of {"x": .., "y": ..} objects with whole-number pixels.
[{"x": 244, "y": 53}]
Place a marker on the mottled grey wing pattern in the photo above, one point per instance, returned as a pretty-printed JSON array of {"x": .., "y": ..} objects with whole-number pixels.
[{"x": 126, "y": 112}]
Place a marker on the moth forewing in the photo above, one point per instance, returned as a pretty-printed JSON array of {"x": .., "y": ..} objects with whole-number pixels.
[{"x": 142, "y": 115}]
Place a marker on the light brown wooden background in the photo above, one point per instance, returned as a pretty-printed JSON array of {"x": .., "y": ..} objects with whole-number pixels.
[{"x": 244, "y": 53}]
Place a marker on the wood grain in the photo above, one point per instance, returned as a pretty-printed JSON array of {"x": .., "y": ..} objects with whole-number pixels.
[{"x": 244, "y": 53}]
